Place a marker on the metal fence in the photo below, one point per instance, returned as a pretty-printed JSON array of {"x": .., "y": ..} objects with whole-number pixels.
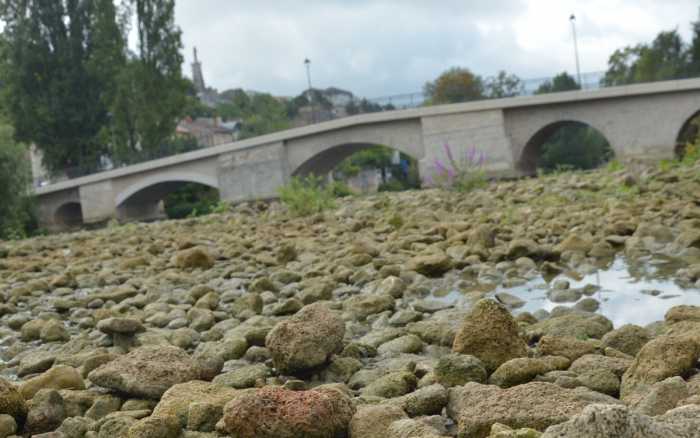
[{"x": 528, "y": 87}]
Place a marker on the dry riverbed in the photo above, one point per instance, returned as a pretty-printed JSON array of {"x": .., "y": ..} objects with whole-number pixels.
[{"x": 562, "y": 306}]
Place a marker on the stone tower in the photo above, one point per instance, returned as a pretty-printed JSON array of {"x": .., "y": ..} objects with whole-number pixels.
[{"x": 197, "y": 76}]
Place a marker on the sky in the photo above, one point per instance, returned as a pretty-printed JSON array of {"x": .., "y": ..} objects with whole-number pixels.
[{"x": 377, "y": 48}]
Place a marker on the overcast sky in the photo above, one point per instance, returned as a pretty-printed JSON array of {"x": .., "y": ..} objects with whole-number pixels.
[{"x": 383, "y": 47}]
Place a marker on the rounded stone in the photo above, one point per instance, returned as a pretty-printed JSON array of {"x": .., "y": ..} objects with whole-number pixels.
[
  {"x": 457, "y": 369},
  {"x": 306, "y": 340},
  {"x": 490, "y": 333}
]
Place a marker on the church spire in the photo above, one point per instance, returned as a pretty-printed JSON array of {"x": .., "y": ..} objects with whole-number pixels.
[{"x": 197, "y": 75}]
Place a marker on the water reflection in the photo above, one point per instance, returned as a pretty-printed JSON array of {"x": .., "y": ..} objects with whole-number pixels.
[{"x": 638, "y": 292}]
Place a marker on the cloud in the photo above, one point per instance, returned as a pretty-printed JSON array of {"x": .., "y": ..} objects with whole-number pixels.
[{"x": 384, "y": 47}]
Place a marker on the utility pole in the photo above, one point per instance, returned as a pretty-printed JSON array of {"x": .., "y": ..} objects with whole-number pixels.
[
  {"x": 307, "y": 62},
  {"x": 578, "y": 64}
]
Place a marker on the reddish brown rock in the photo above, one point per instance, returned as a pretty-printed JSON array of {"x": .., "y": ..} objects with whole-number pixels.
[{"x": 273, "y": 412}]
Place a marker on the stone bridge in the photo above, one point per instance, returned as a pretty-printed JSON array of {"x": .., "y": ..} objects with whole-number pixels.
[{"x": 641, "y": 122}]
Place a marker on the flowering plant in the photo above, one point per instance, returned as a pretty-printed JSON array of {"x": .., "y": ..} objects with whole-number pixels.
[{"x": 463, "y": 174}]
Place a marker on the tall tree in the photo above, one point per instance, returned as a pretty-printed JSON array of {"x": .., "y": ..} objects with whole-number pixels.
[
  {"x": 503, "y": 85},
  {"x": 561, "y": 82},
  {"x": 455, "y": 85},
  {"x": 57, "y": 75},
  {"x": 260, "y": 113},
  {"x": 694, "y": 51},
  {"x": 667, "y": 57},
  {"x": 14, "y": 182},
  {"x": 152, "y": 94}
]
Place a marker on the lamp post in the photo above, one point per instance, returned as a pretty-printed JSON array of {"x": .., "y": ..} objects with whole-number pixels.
[
  {"x": 578, "y": 64},
  {"x": 307, "y": 63}
]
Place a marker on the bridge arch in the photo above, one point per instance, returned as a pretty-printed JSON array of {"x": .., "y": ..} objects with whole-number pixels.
[
  {"x": 158, "y": 186},
  {"x": 530, "y": 155},
  {"x": 328, "y": 159},
  {"x": 687, "y": 132},
  {"x": 321, "y": 152},
  {"x": 69, "y": 215}
]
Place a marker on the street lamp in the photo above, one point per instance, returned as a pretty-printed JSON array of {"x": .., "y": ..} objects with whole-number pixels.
[
  {"x": 578, "y": 64},
  {"x": 307, "y": 63}
]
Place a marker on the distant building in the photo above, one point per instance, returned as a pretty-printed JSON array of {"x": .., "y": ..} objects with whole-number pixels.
[{"x": 209, "y": 131}]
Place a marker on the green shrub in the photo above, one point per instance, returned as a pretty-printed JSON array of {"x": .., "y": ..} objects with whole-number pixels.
[
  {"x": 394, "y": 185},
  {"x": 221, "y": 207},
  {"x": 691, "y": 154},
  {"x": 340, "y": 189},
  {"x": 191, "y": 200},
  {"x": 307, "y": 196},
  {"x": 614, "y": 166}
]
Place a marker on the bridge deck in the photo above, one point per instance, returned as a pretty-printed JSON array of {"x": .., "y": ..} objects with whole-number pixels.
[{"x": 384, "y": 117}]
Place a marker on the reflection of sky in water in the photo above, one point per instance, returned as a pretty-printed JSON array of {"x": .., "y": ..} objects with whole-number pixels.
[{"x": 622, "y": 298}]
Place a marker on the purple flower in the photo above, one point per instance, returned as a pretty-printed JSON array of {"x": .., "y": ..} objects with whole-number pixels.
[
  {"x": 448, "y": 151},
  {"x": 440, "y": 167},
  {"x": 471, "y": 154}
]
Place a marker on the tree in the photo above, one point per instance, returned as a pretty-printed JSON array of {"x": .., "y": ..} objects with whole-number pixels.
[
  {"x": 364, "y": 106},
  {"x": 694, "y": 51},
  {"x": 561, "y": 82},
  {"x": 455, "y": 85},
  {"x": 503, "y": 85},
  {"x": 15, "y": 208},
  {"x": 575, "y": 146},
  {"x": 152, "y": 93},
  {"x": 260, "y": 113},
  {"x": 667, "y": 57},
  {"x": 61, "y": 58}
]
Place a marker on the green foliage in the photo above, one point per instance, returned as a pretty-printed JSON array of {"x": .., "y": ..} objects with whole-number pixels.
[
  {"x": 614, "y": 166},
  {"x": 396, "y": 221},
  {"x": 503, "y": 85},
  {"x": 192, "y": 200},
  {"x": 17, "y": 216},
  {"x": 688, "y": 154},
  {"x": 666, "y": 165},
  {"x": 75, "y": 90},
  {"x": 151, "y": 92},
  {"x": 574, "y": 146},
  {"x": 393, "y": 185},
  {"x": 453, "y": 86},
  {"x": 307, "y": 196},
  {"x": 691, "y": 154},
  {"x": 364, "y": 106},
  {"x": 60, "y": 59},
  {"x": 221, "y": 207},
  {"x": 667, "y": 57},
  {"x": 340, "y": 189},
  {"x": 381, "y": 158},
  {"x": 561, "y": 82},
  {"x": 194, "y": 108},
  {"x": 377, "y": 157},
  {"x": 260, "y": 113}
]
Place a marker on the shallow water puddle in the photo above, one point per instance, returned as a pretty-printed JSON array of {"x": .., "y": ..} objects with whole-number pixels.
[{"x": 629, "y": 294}]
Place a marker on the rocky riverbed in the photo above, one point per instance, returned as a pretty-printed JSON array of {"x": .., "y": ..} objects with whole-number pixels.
[{"x": 504, "y": 312}]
